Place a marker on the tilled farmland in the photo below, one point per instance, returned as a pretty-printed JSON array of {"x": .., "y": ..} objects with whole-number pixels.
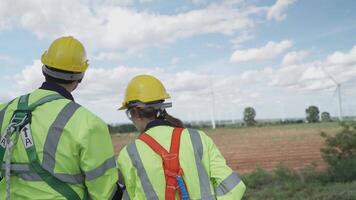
[{"x": 294, "y": 146}]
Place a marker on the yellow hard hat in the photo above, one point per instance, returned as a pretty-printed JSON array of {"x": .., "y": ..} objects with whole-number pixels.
[
  {"x": 144, "y": 89},
  {"x": 67, "y": 54}
]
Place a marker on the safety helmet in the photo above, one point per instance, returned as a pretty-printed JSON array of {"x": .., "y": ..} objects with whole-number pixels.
[
  {"x": 144, "y": 89},
  {"x": 65, "y": 54}
]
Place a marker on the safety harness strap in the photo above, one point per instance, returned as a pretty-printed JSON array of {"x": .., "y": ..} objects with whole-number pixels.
[
  {"x": 2, "y": 113},
  {"x": 23, "y": 116},
  {"x": 172, "y": 170},
  {"x": 17, "y": 117}
]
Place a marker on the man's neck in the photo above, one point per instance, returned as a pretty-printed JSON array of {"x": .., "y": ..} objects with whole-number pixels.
[{"x": 68, "y": 87}]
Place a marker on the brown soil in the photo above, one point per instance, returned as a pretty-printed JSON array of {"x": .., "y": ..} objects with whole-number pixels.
[{"x": 247, "y": 148}]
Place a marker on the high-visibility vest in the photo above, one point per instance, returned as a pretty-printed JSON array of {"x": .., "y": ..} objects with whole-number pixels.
[
  {"x": 205, "y": 172},
  {"x": 66, "y": 137}
]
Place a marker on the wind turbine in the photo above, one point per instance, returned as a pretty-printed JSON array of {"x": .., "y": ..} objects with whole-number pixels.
[
  {"x": 338, "y": 90},
  {"x": 212, "y": 94}
]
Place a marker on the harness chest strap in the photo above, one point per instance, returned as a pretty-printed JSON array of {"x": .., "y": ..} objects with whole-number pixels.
[
  {"x": 171, "y": 166},
  {"x": 20, "y": 118},
  {"x": 26, "y": 135}
]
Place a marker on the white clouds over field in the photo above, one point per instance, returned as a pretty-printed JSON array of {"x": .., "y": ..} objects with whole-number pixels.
[
  {"x": 251, "y": 53},
  {"x": 276, "y": 12},
  {"x": 269, "y": 51},
  {"x": 110, "y": 25},
  {"x": 114, "y": 24},
  {"x": 102, "y": 89}
]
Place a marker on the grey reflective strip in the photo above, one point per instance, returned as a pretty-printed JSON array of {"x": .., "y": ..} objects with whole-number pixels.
[
  {"x": 45, "y": 99},
  {"x": 17, "y": 167},
  {"x": 54, "y": 134},
  {"x": 227, "y": 184},
  {"x": 33, "y": 176},
  {"x": 63, "y": 75},
  {"x": 29, "y": 176},
  {"x": 99, "y": 171},
  {"x": 69, "y": 178},
  {"x": 126, "y": 195},
  {"x": 205, "y": 190},
  {"x": 137, "y": 163}
]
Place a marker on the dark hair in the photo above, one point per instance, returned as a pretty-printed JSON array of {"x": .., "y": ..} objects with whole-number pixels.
[
  {"x": 57, "y": 80},
  {"x": 151, "y": 113}
]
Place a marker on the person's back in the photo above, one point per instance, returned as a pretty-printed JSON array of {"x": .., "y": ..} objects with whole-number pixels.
[
  {"x": 65, "y": 152},
  {"x": 203, "y": 166},
  {"x": 148, "y": 164}
]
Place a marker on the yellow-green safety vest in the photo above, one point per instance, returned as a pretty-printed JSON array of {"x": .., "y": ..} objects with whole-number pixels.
[
  {"x": 206, "y": 173},
  {"x": 72, "y": 144}
]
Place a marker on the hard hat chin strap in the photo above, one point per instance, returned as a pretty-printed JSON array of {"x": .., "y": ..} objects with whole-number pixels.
[{"x": 62, "y": 75}]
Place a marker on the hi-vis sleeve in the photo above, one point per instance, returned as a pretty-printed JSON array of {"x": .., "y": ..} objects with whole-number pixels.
[
  {"x": 98, "y": 162},
  {"x": 226, "y": 182}
]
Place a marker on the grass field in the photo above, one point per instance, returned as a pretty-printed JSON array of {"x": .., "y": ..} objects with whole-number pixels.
[
  {"x": 287, "y": 157},
  {"x": 295, "y": 145}
]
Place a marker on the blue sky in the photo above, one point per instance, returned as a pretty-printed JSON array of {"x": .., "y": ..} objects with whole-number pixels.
[{"x": 269, "y": 54}]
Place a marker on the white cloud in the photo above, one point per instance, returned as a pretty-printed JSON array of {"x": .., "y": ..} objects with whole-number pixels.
[
  {"x": 313, "y": 75},
  {"x": 111, "y": 26},
  {"x": 102, "y": 89},
  {"x": 109, "y": 56},
  {"x": 146, "y": 1},
  {"x": 276, "y": 12},
  {"x": 343, "y": 58},
  {"x": 269, "y": 51},
  {"x": 198, "y": 1},
  {"x": 6, "y": 58},
  {"x": 294, "y": 57},
  {"x": 29, "y": 78},
  {"x": 175, "y": 60},
  {"x": 242, "y": 38}
]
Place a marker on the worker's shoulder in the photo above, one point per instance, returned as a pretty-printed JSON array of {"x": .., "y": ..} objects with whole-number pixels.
[
  {"x": 65, "y": 105},
  {"x": 192, "y": 131},
  {"x": 86, "y": 115}
]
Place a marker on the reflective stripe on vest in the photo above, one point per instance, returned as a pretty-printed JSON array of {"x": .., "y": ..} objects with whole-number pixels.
[
  {"x": 227, "y": 184},
  {"x": 204, "y": 180},
  {"x": 23, "y": 171},
  {"x": 141, "y": 172},
  {"x": 205, "y": 190},
  {"x": 54, "y": 134}
]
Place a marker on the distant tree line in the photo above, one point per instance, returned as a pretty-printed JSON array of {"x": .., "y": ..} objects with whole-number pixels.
[{"x": 249, "y": 114}]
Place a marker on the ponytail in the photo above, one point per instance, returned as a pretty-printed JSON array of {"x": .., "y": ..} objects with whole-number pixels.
[
  {"x": 174, "y": 121},
  {"x": 151, "y": 113}
]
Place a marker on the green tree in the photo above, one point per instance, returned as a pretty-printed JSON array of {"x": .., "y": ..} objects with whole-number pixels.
[
  {"x": 249, "y": 116},
  {"x": 312, "y": 113},
  {"x": 325, "y": 117},
  {"x": 340, "y": 153}
]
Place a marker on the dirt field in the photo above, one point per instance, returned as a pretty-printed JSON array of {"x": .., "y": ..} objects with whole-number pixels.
[{"x": 246, "y": 148}]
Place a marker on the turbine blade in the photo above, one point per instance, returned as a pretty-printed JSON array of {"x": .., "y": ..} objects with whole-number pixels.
[
  {"x": 335, "y": 91},
  {"x": 328, "y": 75}
]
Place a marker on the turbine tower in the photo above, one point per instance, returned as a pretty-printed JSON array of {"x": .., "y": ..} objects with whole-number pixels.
[
  {"x": 338, "y": 90},
  {"x": 212, "y": 94}
]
